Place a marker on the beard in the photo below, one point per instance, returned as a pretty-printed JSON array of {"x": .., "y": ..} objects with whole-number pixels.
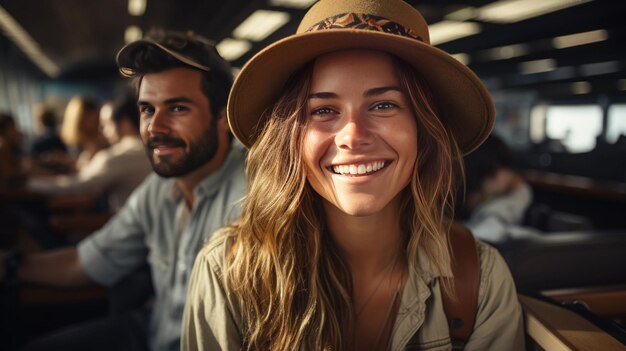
[{"x": 195, "y": 155}]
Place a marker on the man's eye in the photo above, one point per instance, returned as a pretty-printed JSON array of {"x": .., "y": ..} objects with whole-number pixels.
[
  {"x": 179, "y": 108},
  {"x": 146, "y": 110}
]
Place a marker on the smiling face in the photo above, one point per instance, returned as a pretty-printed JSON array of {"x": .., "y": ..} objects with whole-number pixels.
[
  {"x": 360, "y": 145},
  {"x": 177, "y": 126}
]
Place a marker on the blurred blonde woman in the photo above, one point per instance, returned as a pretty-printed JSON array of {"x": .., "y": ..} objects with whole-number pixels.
[
  {"x": 81, "y": 129},
  {"x": 356, "y": 128}
]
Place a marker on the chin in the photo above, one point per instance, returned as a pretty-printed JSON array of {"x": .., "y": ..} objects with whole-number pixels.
[{"x": 360, "y": 210}]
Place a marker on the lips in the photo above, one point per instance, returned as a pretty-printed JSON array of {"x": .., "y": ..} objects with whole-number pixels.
[
  {"x": 163, "y": 145},
  {"x": 359, "y": 169}
]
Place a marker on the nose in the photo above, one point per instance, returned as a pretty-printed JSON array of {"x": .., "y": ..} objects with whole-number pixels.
[
  {"x": 158, "y": 124},
  {"x": 354, "y": 133}
]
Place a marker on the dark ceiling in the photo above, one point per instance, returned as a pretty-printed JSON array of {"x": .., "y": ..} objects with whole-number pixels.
[{"x": 82, "y": 36}]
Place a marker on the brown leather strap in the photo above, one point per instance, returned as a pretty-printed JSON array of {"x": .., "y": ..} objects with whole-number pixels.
[{"x": 461, "y": 309}]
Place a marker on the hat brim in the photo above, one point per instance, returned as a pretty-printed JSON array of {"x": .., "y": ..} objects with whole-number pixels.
[{"x": 461, "y": 99}]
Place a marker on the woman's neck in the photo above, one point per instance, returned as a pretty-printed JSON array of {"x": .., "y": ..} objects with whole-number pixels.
[{"x": 367, "y": 243}]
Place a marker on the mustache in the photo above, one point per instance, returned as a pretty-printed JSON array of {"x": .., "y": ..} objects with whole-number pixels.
[{"x": 162, "y": 140}]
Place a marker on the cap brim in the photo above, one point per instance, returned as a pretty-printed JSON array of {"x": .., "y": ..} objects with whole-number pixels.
[
  {"x": 125, "y": 56},
  {"x": 461, "y": 99}
]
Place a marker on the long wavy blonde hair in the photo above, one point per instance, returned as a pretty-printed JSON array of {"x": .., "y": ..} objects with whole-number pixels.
[{"x": 283, "y": 268}]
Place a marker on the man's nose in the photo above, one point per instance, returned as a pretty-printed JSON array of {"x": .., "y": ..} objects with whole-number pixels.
[{"x": 159, "y": 123}]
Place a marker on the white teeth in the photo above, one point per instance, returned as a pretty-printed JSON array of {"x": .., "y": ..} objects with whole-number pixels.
[{"x": 356, "y": 169}]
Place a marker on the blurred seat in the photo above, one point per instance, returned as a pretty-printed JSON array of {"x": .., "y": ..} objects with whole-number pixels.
[
  {"x": 567, "y": 260},
  {"x": 542, "y": 217}
]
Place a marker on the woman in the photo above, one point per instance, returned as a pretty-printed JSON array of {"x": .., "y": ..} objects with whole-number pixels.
[
  {"x": 356, "y": 127},
  {"x": 81, "y": 130}
]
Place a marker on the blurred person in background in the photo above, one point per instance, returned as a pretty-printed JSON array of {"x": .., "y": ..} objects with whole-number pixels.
[
  {"x": 48, "y": 141},
  {"x": 496, "y": 197},
  {"x": 114, "y": 171},
  {"x": 11, "y": 173},
  {"x": 81, "y": 130}
]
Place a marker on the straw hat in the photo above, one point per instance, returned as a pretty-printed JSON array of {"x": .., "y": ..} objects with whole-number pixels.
[{"x": 391, "y": 26}]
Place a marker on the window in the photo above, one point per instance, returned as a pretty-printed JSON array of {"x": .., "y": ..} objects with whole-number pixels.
[
  {"x": 575, "y": 126},
  {"x": 616, "y": 122}
]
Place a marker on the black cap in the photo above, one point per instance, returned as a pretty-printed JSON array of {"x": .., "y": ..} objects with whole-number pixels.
[{"x": 190, "y": 49}]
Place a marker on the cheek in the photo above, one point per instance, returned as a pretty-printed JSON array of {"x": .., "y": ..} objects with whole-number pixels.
[
  {"x": 315, "y": 146},
  {"x": 143, "y": 128},
  {"x": 404, "y": 138}
]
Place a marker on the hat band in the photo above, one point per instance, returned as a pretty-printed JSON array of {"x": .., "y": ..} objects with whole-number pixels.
[{"x": 367, "y": 22}]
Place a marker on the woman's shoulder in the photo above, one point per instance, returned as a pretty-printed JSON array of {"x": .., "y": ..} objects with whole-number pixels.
[
  {"x": 213, "y": 253},
  {"x": 494, "y": 271}
]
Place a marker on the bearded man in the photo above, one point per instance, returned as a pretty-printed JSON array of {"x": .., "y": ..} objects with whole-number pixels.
[{"x": 182, "y": 87}]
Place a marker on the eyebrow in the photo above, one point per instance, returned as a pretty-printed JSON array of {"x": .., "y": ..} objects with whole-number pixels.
[
  {"x": 368, "y": 93},
  {"x": 381, "y": 90},
  {"x": 174, "y": 100},
  {"x": 323, "y": 95}
]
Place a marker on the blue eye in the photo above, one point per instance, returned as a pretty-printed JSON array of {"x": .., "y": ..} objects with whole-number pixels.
[
  {"x": 178, "y": 108},
  {"x": 322, "y": 111},
  {"x": 148, "y": 110},
  {"x": 384, "y": 106},
  {"x": 323, "y": 114}
]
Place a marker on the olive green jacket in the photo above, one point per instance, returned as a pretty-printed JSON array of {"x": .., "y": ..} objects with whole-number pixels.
[{"x": 212, "y": 322}]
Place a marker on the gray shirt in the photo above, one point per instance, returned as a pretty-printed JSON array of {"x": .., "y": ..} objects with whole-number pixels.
[{"x": 147, "y": 228}]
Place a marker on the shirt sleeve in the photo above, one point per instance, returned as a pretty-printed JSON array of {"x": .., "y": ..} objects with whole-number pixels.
[
  {"x": 491, "y": 220},
  {"x": 119, "y": 247},
  {"x": 499, "y": 321},
  {"x": 208, "y": 321}
]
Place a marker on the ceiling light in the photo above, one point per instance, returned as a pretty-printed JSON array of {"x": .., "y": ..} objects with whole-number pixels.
[
  {"x": 510, "y": 11},
  {"x": 260, "y": 25},
  {"x": 296, "y": 4},
  {"x": 506, "y": 52},
  {"x": 446, "y": 31},
  {"x": 621, "y": 84},
  {"x": 581, "y": 88},
  {"x": 136, "y": 7},
  {"x": 27, "y": 44},
  {"x": 232, "y": 49},
  {"x": 463, "y": 58},
  {"x": 567, "y": 41},
  {"x": 464, "y": 14},
  {"x": 537, "y": 66},
  {"x": 132, "y": 33}
]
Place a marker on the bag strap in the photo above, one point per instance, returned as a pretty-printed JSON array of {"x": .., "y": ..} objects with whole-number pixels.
[{"x": 461, "y": 308}]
